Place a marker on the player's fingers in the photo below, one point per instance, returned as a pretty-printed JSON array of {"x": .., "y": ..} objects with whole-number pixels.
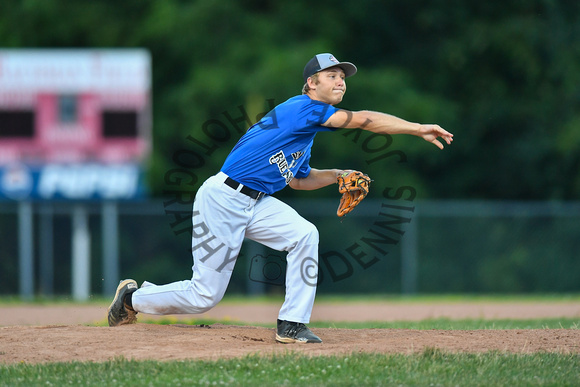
[
  {"x": 445, "y": 135},
  {"x": 443, "y": 132},
  {"x": 438, "y": 143}
]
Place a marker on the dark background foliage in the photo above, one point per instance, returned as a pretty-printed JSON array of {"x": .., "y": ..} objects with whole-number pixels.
[{"x": 504, "y": 77}]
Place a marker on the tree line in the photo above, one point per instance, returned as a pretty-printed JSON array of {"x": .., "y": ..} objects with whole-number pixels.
[{"x": 504, "y": 77}]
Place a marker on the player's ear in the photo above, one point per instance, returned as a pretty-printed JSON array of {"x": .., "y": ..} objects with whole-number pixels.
[{"x": 311, "y": 83}]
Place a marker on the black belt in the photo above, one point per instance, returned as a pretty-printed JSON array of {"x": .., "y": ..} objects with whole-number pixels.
[{"x": 245, "y": 190}]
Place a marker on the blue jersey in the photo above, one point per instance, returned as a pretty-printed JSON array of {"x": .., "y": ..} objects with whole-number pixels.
[{"x": 277, "y": 148}]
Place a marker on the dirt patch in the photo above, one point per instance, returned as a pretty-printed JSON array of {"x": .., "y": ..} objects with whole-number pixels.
[
  {"x": 37, "y": 334},
  {"x": 178, "y": 342}
]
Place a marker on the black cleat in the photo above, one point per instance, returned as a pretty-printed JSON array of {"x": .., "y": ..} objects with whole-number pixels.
[
  {"x": 293, "y": 332},
  {"x": 119, "y": 312}
]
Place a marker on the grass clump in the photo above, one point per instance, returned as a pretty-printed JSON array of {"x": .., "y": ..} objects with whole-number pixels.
[{"x": 430, "y": 367}]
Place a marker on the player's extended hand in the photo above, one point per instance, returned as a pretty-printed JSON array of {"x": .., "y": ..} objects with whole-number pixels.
[{"x": 431, "y": 133}]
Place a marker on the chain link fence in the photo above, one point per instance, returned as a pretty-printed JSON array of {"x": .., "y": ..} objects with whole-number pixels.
[{"x": 381, "y": 247}]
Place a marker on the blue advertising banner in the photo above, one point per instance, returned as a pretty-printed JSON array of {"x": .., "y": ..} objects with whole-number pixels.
[{"x": 89, "y": 181}]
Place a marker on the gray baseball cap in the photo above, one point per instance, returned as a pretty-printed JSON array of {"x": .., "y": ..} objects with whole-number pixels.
[{"x": 323, "y": 61}]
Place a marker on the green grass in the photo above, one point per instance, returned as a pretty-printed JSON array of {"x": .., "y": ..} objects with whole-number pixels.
[
  {"x": 440, "y": 323},
  {"x": 331, "y": 299},
  {"x": 430, "y": 368},
  {"x": 417, "y": 298},
  {"x": 447, "y": 324}
]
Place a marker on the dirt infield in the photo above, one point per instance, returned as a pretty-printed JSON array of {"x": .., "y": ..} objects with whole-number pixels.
[{"x": 34, "y": 334}]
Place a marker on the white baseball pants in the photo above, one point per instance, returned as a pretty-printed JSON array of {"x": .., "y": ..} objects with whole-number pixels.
[{"x": 222, "y": 218}]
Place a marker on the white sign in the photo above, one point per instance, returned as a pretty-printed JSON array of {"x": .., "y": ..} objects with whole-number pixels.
[{"x": 75, "y": 71}]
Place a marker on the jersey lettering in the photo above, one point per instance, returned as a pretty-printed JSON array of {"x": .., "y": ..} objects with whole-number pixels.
[
  {"x": 297, "y": 155},
  {"x": 280, "y": 160}
]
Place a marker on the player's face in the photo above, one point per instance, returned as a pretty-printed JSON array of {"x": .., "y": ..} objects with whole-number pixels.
[{"x": 331, "y": 86}]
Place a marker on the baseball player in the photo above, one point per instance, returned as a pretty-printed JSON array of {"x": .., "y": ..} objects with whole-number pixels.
[{"x": 236, "y": 203}]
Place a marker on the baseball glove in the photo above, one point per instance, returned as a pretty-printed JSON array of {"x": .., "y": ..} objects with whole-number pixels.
[{"x": 354, "y": 187}]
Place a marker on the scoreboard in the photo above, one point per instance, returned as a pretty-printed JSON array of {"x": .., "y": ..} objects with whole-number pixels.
[{"x": 74, "y": 124}]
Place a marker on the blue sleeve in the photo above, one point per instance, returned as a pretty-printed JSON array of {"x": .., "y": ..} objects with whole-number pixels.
[
  {"x": 303, "y": 172},
  {"x": 314, "y": 114}
]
